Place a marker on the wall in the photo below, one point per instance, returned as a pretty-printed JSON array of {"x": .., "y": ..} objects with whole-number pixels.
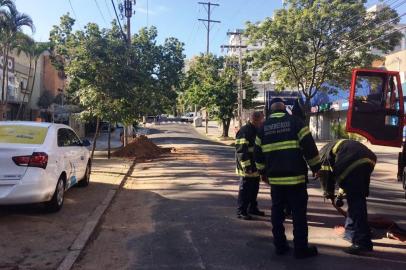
[
  {"x": 326, "y": 120},
  {"x": 51, "y": 79},
  {"x": 21, "y": 72}
]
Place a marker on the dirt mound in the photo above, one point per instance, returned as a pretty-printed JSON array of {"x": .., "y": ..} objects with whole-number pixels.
[{"x": 141, "y": 148}]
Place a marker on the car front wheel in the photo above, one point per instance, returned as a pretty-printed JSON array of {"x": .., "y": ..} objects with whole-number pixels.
[{"x": 56, "y": 203}]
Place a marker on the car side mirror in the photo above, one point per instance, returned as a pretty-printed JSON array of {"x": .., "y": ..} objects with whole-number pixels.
[{"x": 86, "y": 142}]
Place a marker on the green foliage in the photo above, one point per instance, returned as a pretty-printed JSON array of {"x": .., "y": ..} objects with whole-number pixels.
[
  {"x": 309, "y": 43},
  {"x": 212, "y": 84},
  {"x": 339, "y": 132},
  {"x": 45, "y": 100},
  {"x": 112, "y": 80},
  {"x": 158, "y": 71}
]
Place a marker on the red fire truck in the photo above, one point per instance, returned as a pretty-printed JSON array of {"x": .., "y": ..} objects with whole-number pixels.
[{"x": 376, "y": 111}]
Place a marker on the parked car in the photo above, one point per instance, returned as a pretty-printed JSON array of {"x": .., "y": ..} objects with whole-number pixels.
[
  {"x": 39, "y": 162},
  {"x": 104, "y": 127},
  {"x": 188, "y": 117}
]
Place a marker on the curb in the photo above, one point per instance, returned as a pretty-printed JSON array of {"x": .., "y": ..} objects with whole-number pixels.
[{"x": 82, "y": 239}]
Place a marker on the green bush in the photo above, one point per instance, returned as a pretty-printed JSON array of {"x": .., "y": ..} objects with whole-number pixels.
[{"x": 340, "y": 133}]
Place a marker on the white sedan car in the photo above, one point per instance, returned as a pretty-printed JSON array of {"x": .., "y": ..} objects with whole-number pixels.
[{"x": 39, "y": 162}]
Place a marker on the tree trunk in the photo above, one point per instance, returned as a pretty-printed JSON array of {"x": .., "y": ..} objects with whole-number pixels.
[
  {"x": 4, "y": 88},
  {"x": 226, "y": 127},
  {"x": 95, "y": 137},
  {"x": 25, "y": 92},
  {"x": 3, "y": 111},
  {"x": 317, "y": 125},
  {"x": 5, "y": 65},
  {"x": 207, "y": 122},
  {"x": 307, "y": 110},
  {"x": 34, "y": 76},
  {"x": 109, "y": 142},
  {"x": 125, "y": 134}
]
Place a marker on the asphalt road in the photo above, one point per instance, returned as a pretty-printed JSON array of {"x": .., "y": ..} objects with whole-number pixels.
[{"x": 178, "y": 212}]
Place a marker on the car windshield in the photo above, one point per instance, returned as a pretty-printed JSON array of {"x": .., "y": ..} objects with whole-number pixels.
[{"x": 22, "y": 134}]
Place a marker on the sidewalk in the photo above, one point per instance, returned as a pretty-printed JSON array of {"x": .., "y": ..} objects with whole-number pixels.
[
  {"x": 32, "y": 239},
  {"x": 215, "y": 131}
]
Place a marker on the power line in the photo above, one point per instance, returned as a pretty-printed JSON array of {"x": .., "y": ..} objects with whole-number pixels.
[
  {"x": 147, "y": 13},
  {"x": 363, "y": 34},
  {"x": 339, "y": 34},
  {"x": 101, "y": 13},
  {"x": 380, "y": 25},
  {"x": 73, "y": 10},
  {"x": 108, "y": 9},
  {"x": 118, "y": 20},
  {"x": 400, "y": 4},
  {"x": 372, "y": 41},
  {"x": 195, "y": 23}
]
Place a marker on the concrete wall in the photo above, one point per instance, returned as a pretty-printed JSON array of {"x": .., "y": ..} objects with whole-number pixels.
[
  {"x": 22, "y": 84},
  {"x": 51, "y": 78},
  {"x": 321, "y": 125}
]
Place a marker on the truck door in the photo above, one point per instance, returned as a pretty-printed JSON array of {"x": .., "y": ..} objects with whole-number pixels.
[{"x": 376, "y": 108}]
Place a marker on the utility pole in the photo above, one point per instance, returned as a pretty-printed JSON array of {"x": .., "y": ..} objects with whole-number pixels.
[
  {"x": 240, "y": 93},
  {"x": 127, "y": 11},
  {"x": 207, "y": 22}
]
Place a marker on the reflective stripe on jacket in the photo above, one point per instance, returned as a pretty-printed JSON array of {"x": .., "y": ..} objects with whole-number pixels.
[
  {"x": 284, "y": 147},
  {"x": 339, "y": 159},
  {"x": 244, "y": 151}
]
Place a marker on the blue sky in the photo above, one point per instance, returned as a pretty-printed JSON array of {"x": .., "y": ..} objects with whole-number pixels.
[{"x": 176, "y": 18}]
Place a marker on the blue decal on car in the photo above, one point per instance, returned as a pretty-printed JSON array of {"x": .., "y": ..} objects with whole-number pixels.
[{"x": 73, "y": 181}]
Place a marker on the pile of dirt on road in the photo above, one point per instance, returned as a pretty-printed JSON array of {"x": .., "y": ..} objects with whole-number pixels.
[{"x": 141, "y": 148}]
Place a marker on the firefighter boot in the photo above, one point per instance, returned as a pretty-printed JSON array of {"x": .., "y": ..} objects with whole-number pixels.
[
  {"x": 357, "y": 249},
  {"x": 244, "y": 215},
  {"x": 282, "y": 250},
  {"x": 257, "y": 212},
  {"x": 307, "y": 252}
]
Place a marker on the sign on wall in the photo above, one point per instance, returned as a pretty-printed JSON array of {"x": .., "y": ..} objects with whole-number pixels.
[{"x": 12, "y": 93}]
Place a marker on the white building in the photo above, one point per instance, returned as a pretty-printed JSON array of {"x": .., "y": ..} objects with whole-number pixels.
[{"x": 261, "y": 86}]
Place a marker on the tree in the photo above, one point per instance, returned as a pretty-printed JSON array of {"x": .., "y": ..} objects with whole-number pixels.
[
  {"x": 111, "y": 80},
  {"x": 211, "y": 83},
  {"x": 45, "y": 100},
  {"x": 95, "y": 61},
  {"x": 311, "y": 45},
  {"x": 11, "y": 24},
  {"x": 157, "y": 70},
  {"x": 200, "y": 81},
  {"x": 171, "y": 72}
]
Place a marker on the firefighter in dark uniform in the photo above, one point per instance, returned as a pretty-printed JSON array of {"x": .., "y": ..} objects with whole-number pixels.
[
  {"x": 249, "y": 176},
  {"x": 348, "y": 164},
  {"x": 284, "y": 148}
]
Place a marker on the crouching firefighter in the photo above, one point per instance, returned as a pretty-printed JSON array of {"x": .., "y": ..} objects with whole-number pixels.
[
  {"x": 246, "y": 169},
  {"x": 348, "y": 164}
]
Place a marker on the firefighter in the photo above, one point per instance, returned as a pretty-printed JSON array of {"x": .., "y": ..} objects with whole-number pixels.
[
  {"x": 284, "y": 148},
  {"x": 348, "y": 164},
  {"x": 249, "y": 176}
]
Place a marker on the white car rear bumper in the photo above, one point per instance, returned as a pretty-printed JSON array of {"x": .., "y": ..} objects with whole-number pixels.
[{"x": 34, "y": 187}]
